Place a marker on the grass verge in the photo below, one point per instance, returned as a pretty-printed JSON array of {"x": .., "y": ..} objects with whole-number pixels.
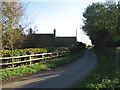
[
  {"x": 104, "y": 76},
  {"x": 10, "y": 74}
]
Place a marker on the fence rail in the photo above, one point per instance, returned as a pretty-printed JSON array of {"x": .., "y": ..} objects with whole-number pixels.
[
  {"x": 111, "y": 52},
  {"x": 31, "y": 58}
]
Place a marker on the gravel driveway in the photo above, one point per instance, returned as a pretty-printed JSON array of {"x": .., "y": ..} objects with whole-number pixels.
[{"x": 62, "y": 77}]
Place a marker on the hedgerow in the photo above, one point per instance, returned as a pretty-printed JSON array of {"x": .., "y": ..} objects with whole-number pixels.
[
  {"x": 29, "y": 51},
  {"x": 21, "y": 52}
]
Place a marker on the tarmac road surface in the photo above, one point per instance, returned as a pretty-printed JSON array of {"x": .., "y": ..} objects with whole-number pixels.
[{"x": 62, "y": 77}]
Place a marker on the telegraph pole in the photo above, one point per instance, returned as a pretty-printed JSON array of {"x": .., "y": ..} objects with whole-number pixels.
[
  {"x": 0, "y": 41},
  {"x": 76, "y": 33},
  {"x": 118, "y": 32},
  {"x": 76, "y": 37}
]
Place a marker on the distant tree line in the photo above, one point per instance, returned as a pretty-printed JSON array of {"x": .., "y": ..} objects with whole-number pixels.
[{"x": 102, "y": 24}]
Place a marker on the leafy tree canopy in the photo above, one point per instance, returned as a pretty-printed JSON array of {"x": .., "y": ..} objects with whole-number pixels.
[{"x": 101, "y": 23}]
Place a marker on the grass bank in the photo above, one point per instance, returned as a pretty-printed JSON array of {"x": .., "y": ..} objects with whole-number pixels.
[
  {"x": 104, "y": 76},
  {"x": 10, "y": 74}
]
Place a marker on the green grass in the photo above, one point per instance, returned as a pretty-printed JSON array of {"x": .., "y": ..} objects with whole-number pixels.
[
  {"x": 104, "y": 76},
  {"x": 8, "y": 74}
]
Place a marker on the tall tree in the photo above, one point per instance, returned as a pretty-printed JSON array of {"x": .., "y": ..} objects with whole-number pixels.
[
  {"x": 12, "y": 31},
  {"x": 100, "y": 23}
]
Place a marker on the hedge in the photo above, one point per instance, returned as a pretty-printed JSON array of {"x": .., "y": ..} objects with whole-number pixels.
[
  {"x": 29, "y": 51},
  {"x": 21, "y": 52}
]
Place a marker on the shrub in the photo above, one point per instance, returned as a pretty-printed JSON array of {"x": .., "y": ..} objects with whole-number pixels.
[
  {"x": 51, "y": 49},
  {"x": 73, "y": 49},
  {"x": 21, "y": 52},
  {"x": 105, "y": 83},
  {"x": 61, "y": 49},
  {"x": 81, "y": 45}
]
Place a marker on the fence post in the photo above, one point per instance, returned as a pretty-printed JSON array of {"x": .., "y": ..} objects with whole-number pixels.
[
  {"x": 30, "y": 59},
  {"x": 61, "y": 53},
  {"x": 51, "y": 56},
  {"x": 42, "y": 57},
  {"x": 57, "y": 54},
  {"x": 117, "y": 57},
  {"x": 12, "y": 62},
  {"x": 117, "y": 60},
  {"x": 64, "y": 52}
]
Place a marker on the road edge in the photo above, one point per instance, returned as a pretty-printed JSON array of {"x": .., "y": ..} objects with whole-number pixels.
[{"x": 74, "y": 84}]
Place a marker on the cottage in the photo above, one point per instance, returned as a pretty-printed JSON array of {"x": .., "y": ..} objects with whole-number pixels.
[
  {"x": 49, "y": 40},
  {"x": 68, "y": 41}
]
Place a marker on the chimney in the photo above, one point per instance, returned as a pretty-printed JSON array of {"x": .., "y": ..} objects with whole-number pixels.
[
  {"x": 54, "y": 32},
  {"x": 30, "y": 30}
]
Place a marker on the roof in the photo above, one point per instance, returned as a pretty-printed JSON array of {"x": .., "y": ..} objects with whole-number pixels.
[
  {"x": 43, "y": 34},
  {"x": 65, "y": 37}
]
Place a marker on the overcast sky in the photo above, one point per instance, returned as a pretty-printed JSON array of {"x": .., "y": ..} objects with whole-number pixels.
[{"x": 63, "y": 15}]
